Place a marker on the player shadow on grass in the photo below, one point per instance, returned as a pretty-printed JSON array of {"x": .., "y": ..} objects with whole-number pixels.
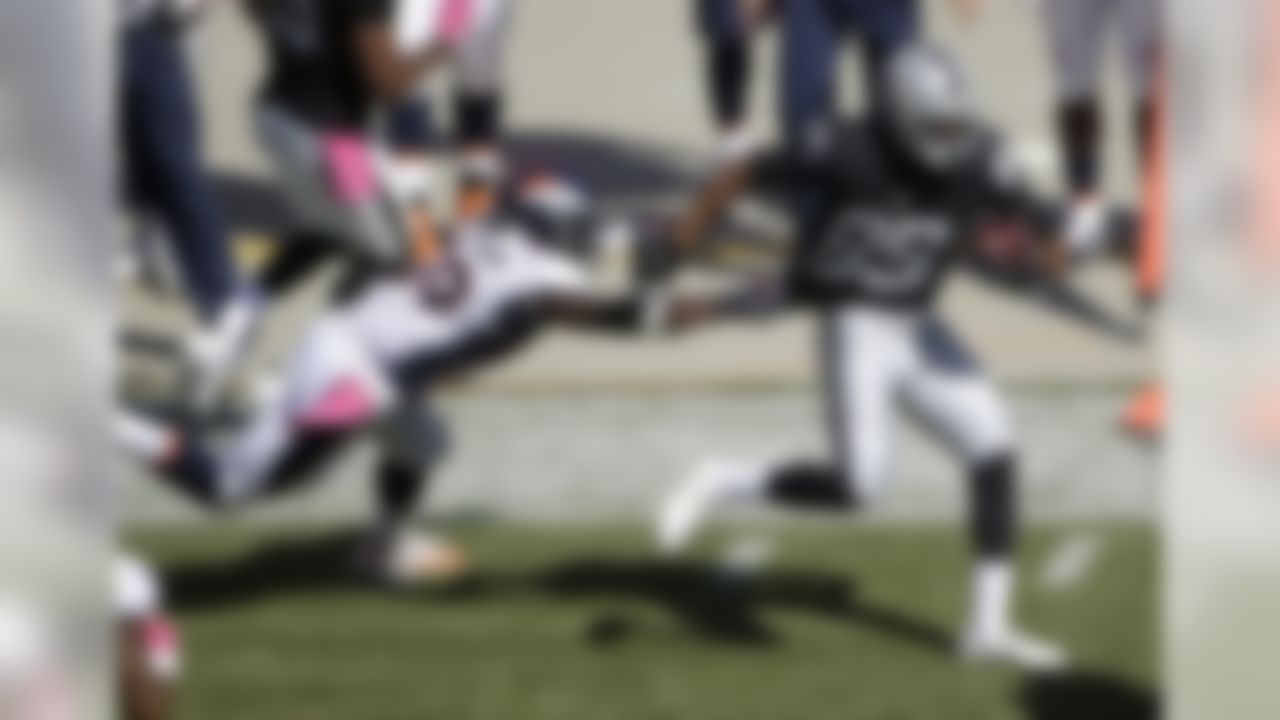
[
  {"x": 1081, "y": 695},
  {"x": 611, "y": 169},
  {"x": 714, "y": 606},
  {"x": 717, "y": 606}
]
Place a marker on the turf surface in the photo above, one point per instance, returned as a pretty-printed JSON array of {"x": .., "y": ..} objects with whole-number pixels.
[{"x": 845, "y": 622}]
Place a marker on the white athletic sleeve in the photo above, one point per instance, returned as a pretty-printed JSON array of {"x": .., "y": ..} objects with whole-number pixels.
[
  {"x": 136, "y": 589},
  {"x": 541, "y": 271}
]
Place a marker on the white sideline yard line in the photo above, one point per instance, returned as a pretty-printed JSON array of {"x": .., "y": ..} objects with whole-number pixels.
[{"x": 1070, "y": 561}]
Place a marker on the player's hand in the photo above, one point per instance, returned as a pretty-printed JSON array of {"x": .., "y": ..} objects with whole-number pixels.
[
  {"x": 1004, "y": 242},
  {"x": 1010, "y": 248}
]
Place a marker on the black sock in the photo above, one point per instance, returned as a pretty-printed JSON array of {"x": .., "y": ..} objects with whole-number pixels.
[
  {"x": 729, "y": 77},
  {"x": 993, "y": 511},
  {"x": 400, "y": 485},
  {"x": 1079, "y": 133},
  {"x": 477, "y": 118},
  {"x": 811, "y": 485}
]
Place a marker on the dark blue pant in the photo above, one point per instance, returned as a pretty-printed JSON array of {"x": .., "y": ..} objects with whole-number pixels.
[
  {"x": 813, "y": 34},
  {"x": 161, "y": 158},
  {"x": 720, "y": 20},
  {"x": 410, "y": 125}
]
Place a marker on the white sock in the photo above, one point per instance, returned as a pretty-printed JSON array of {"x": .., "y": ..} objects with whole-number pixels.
[
  {"x": 410, "y": 179},
  {"x": 735, "y": 145},
  {"x": 1086, "y": 227},
  {"x": 991, "y": 597},
  {"x": 482, "y": 164},
  {"x": 746, "y": 483},
  {"x": 147, "y": 440}
]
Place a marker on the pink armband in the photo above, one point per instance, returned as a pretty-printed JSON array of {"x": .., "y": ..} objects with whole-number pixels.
[{"x": 349, "y": 167}]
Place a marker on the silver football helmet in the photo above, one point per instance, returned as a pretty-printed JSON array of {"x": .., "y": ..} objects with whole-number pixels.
[{"x": 929, "y": 106}]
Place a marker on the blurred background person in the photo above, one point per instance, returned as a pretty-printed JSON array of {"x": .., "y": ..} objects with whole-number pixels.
[
  {"x": 478, "y": 100},
  {"x": 167, "y": 180},
  {"x": 331, "y": 65},
  {"x": 149, "y": 657},
  {"x": 1078, "y": 31},
  {"x": 727, "y": 29}
]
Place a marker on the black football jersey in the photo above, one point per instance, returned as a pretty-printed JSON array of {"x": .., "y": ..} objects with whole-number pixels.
[
  {"x": 875, "y": 226},
  {"x": 314, "y": 70}
]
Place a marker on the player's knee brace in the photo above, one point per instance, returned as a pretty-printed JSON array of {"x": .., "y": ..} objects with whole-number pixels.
[
  {"x": 993, "y": 512},
  {"x": 812, "y": 486}
]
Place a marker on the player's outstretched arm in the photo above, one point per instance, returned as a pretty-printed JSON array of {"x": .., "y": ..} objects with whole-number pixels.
[
  {"x": 620, "y": 316},
  {"x": 710, "y": 204},
  {"x": 755, "y": 300}
]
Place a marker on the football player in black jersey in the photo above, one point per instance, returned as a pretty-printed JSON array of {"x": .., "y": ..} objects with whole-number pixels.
[{"x": 883, "y": 209}]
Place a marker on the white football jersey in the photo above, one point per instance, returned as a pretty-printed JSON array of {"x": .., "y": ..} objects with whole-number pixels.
[{"x": 490, "y": 272}]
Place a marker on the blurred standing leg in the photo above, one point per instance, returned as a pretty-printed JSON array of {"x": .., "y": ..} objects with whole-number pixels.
[
  {"x": 1140, "y": 30},
  {"x": 883, "y": 26},
  {"x": 726, "y": 32},
  {"x": 479, "y": 75},
  {"x": 163, "y": 157},
  {"x": 1075, "y": 33}
]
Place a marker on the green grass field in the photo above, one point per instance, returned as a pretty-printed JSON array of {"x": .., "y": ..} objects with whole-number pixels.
[{"x": 584, "y": 623}]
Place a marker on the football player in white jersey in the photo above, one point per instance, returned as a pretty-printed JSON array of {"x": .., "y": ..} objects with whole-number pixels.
[{"x": 367, "y": 366}]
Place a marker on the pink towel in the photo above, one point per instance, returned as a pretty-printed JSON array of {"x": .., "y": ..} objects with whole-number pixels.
[
  {"x": 345, "y": 405},
  {"x": 349, "y": 167}
]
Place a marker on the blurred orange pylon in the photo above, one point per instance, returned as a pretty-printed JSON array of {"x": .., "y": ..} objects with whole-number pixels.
[
  {"x": 1149, "y": 259},
  {"x": 1144, "y": 416}
]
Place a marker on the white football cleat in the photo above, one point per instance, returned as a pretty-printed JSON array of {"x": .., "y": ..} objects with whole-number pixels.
[
  {"x": 686, "y": 507},
  {"x": 1014, "y": 648},
  {"x": 213, "y": 355}
]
